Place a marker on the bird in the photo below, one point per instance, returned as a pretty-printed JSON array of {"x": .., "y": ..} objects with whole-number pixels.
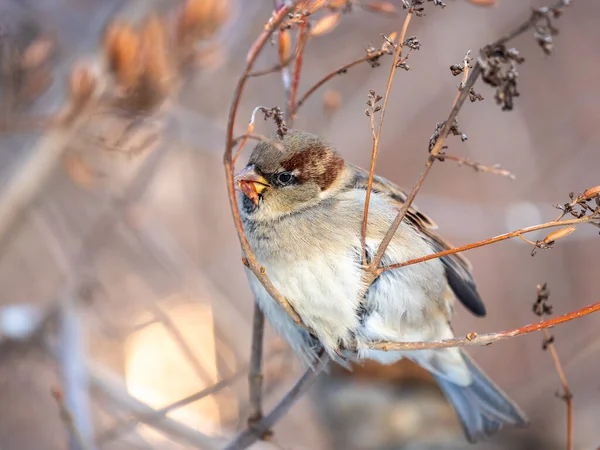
[{"x": 301, "y": 206}]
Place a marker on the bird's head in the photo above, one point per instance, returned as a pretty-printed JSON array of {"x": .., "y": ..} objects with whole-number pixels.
[{"x": 287, "y": 175}]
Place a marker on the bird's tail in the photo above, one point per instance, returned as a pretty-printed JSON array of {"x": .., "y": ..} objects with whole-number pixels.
[{"x": 482, "y": 407}]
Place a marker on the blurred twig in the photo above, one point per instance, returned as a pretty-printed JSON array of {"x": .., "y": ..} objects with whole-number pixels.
[
  {"x": 251, "y": 435},
  {"x": 255, "y": 376},
  {"x": 75, "y": 380},
  {"x": 126, "y": 425},
  {"x": 104, "y": 383},
  {"x": 77, "y": 441}
]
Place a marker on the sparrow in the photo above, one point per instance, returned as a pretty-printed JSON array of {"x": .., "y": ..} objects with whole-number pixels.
[{"x": 302, "y": 206}]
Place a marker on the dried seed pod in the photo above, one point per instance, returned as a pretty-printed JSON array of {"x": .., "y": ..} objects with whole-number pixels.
[
  {"x": 331, "y": 100},
  {"x": 559, "y": 234},
  {"x": 382, "y": 7},
  {"x": 79, "y": 171},
  {"x": 37, "y": 53},
  {"x": 591, "y": 193},
  {"x": 483, "y": 2},
  {"x": 158, "y": 67},
  {"x": 122, "y": 50},
  {"x": 82, "y": 84},
  {"x": 285, "y": 46},
  {"x": 314, "y": 6},
  {"x": 325, "y": 24},
  {"x": 200, "y": 19}
]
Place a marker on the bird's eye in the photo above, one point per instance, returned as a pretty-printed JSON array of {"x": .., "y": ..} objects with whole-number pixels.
[{"x": 285, "y": 177}]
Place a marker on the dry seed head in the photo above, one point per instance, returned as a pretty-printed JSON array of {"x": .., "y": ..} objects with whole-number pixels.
[
  {"x": 591, "y": 193},
  {"x": 79, "y": 171},
  {"x": 37, "y": 53},
  {"x": 483, "y": 2},
  {"x": 157, "y": 64},
  {"x": 331, "y": 100},
  {"x": 200, "y": 19},
  {"x": 82, "y": 84},
  {"x": 559, "y": 234},
  {"x": 122, "y": 50},
  {"x": 382, "y": 7},
  {"x": 314, "y": 6},
  {"x": 285, "y": 46},
  {"x": 325, "y": 24},
  {"x": 336, "y": 4}
]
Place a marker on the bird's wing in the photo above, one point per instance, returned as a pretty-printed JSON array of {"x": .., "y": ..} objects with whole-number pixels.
[{"x": 458, "y": 268}]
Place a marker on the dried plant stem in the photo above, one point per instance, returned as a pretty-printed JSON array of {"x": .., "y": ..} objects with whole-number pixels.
[
  {"x": 77, "y": 440},
  {"x": 302, "y": 32},
  {"x": 363, "y": 233},
  {"x": 124, "y": 426},
  {"x": 496, "y": 170},
  {"x": 333, "y": 74},
  {"x": 493, "y": 240},
  {"x": 251, "y": 435},
  {"x": 250, "y": 258},
  {"x": 255, "y": 376},
  {"x": 483, "y": 339},
  {"x": 111, "y": 388},
  {"x": 567, "y": 396},
  {"x": 458, "y": 102}
]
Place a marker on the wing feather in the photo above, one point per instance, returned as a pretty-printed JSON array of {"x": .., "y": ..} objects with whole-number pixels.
[{"x": 458, "y": 268}]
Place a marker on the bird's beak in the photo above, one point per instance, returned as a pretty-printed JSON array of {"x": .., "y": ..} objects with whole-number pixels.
[{"x": 250, "y": 183}]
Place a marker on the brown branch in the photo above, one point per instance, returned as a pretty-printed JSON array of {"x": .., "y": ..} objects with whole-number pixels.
[
  {"x": 456, "y": 106},
  {"x": 340, "y": 70},
  {"x": 399, "y": 47},
  {"x": 302, "y": 34},
  {"x": 463, "y": 93},
  {"x": 495, "y": 169},
  {"x": 251, "y": 435},
  {"x": 255, "y": 376},
  {"x": 250, "y": 258},
  {"x": 567, "y": 396},
  {"x": 501, "y": 237},
  {"x": 482, "y": 339}
]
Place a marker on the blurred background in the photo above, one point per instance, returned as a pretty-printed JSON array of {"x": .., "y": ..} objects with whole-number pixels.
[{"x": 122, "y": 287}]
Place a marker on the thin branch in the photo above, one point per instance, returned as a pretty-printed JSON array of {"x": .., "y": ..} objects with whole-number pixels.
[
  {"x": 255, "y": 376},
  {"x": 302, "y": 33},
  {"x": 122, "y": 427},
  {"x": 251, "y": 435},
  {"x": 399, "y": 47},
  {"x": 77, "y": 403},
  {"x": 250, "y": 258},
  {"x": 103, "y": 382},
  {"x": 456, "y": 106},
  {"x": 439, "y": 144},
  {"x": 488, "y": 241},
  {"x": 567, "y": 396},
  {"x": 339, "y": 71},
  {"x": 481, "y": 339},
  {"x": 77, "y": 440},
  {"x": 495, "y": 169}
]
